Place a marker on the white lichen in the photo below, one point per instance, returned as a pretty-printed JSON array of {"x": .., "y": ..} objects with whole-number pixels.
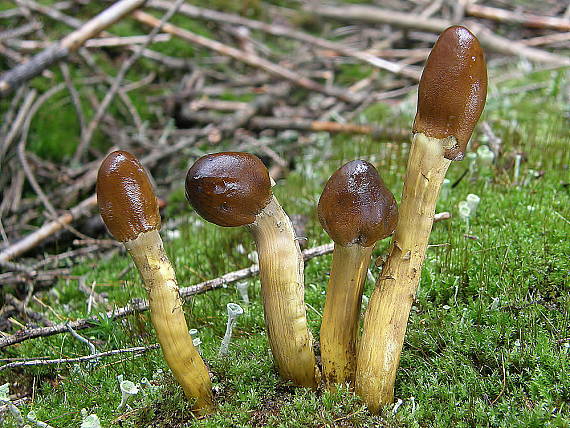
[
  {"x": 242, "y": 288},
  {"x": 5, "y": 399},
  {"x": 234, "y": 311},
  {"x": 128, "y": 389},
  {"x": 89, "y": 421},
  {"x": 473, "y": 201}
]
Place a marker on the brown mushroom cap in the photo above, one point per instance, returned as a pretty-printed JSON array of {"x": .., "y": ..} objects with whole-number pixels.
[
  {"x": 452, "y": 89},
  {"x": 355, "y": 206},
  {"x": 228, "y": 189},
  {"x": 125, "y": 197}
]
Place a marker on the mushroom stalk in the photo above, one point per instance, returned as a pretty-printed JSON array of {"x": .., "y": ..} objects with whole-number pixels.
[
  {"x": 168, "y": 319},
  {"x": 282, "y": 290},
  {"x": 341, "y": 315},
  {"x": 234, "y": 189},
  {"x": 451, "y": 97},
  {"x": 389, "y": 307},
  {"x": 129, "y": 208},
  {"x": 356, "y": 210}
]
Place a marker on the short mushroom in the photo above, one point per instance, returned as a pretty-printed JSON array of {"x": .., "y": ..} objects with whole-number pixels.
[
  {"x": 234, "y": 189},
  {"x": 356, "y": 210},
  {"x": 129, "y": 208},
  {"x": 451, "y": 97}
]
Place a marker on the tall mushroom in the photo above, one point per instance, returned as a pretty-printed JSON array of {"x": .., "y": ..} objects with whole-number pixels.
[
  {"x": 234, "y": 189},
  {"x": 451, "y": 97},
  {"x": 129, "y": 208},
  {"x": 356, "y": 210}
]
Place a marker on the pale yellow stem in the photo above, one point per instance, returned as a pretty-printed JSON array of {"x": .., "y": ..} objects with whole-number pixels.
[
  {"x": 282, "y": 290},
  {"x": 167, "y": 317},
  {"x": 341, "y": 316},
  {"x": 387, "y": 314}
]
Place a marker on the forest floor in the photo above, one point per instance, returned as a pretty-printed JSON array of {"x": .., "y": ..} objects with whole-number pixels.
[{"x": 488, "y": 340}]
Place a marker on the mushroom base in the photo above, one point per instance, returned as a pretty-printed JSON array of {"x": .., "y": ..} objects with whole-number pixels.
[
  {"x": 168, "y": 319},
  {"x": 341, "y": 316},
  {"x": 283, "y": 293},
  {"x": 389, "y": 307}
]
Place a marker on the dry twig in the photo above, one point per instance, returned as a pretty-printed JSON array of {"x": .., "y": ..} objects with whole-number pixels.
[
  {"x": 92, "y": 126},
  {"x": 249, "y": 59},
  {"x": 487, "y": 38},
  {"x": 61, "y": 49},
  {"x": 526, "y": 19},
  {"x": 281, "y": 31},
  {"x": 30, "y": 363},
  {"x": 141, "y": 306}
]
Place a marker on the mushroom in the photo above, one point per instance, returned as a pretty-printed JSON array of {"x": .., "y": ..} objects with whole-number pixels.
[
  {"x": 129, "y": 208},
  {"x": 234, "y": 189},
  {"x": 356, "y": 210},
  {"x": 451, "y": 97}
]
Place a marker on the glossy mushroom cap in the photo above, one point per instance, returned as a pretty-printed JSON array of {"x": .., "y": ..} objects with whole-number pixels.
[
  {"x": 452, "y": 89},
  {"x": 355, "y": 206},
  {"x": 228, "y": 189},
  {"x": 125, "y": 197}
]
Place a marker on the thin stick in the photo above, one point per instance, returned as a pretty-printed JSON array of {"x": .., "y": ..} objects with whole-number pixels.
[
  {"x": 526, "y": 19},
  {"x": 18, "y": 122},
  {"x": 11, "y": 112},
  {"x": 82, "y": 209},
  {"x": 75, "y": 99},
  {"x": 299, "y": 124},
  {"x": 92, "y": 126},
  {"x": 82, "y": 339},
  {"x": 137, "y": 350},
  {"x": 333, "y": 127},
  {"x": 487, "y": 38},
  {"x": 102, "y": 42},
  {"x": 250, "y": 59},
  {"x": 141, "y": 306},
  {"x": 60, "y": 50},
  {"x": 20, "y": 31},
  {"x": 282, "y": 31},
  {"x": 547, "y": 39}
]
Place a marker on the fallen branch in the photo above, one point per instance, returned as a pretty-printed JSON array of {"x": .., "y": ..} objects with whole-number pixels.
[
  {"x": 48, "y": 229},
  {"x": 55, "y": 14},
  {"x": 282, "y": 31},
  {"x": 19, "y": 32},
  {"x": 299, "y": 124},
  {"x": 259, "y": 104},
  {"x": 125, "y": 67},
  {"x": 136, "y": 350},
  {"x": 526, "y": 19},
  {"x": 249, "y": 59},
  {"x": 141, "y": 306},
  {"x": 102, "y": 42},
  {"x": 547, "y": 39},
  {"x": 375, "y": 132},
  {"x": 487, "y": 38},
  {"x": 60, "y": 50},
  {"x": 84, "y": 208}
]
